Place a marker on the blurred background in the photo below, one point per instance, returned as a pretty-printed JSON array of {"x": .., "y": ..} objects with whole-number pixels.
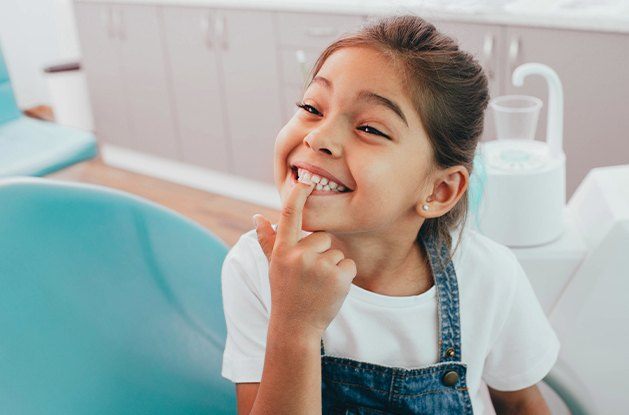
[
  {"x": 178, "y": 102},
  {"x": 171, "y": 79}
]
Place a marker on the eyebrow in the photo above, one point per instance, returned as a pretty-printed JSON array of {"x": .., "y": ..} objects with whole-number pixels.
[{"x": 368, "y": 96}]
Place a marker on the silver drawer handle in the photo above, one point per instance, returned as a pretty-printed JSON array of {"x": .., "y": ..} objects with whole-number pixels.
[
  {"x": 488, "y": 50},
  {"x": 514, "y": 51},
  {"x": 221, "y": 32},
  {"x": 301, "y": 57},
  {"x": 206, "y": 23},
  {"x": 107, "y": 21},
  {"x": 321, "y": 31},
  {"x": 488, "y": 45},
  {"x": 119, "y": 24}
]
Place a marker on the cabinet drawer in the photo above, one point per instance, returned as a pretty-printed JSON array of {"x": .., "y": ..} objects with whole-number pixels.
[{"x": 314, "y": 29}]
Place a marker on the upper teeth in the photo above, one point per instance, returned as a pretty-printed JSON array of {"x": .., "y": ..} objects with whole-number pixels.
[{"x": 323, "y": 183}]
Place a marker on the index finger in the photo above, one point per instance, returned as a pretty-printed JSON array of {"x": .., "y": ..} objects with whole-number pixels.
[{"x": 289, "y": 226}]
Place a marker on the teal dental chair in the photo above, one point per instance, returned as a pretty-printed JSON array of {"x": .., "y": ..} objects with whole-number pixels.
[
  {"x": 109, "y": 304},
  {"x": 30, "y": 147}
]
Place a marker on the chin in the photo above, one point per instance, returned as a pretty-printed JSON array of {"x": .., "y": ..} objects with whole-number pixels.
[
  {"x": 310, "y": 225},
  {"x": 317, "y": 225}
]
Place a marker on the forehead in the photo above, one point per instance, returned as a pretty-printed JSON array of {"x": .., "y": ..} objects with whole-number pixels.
[
  {"x": 364, "y": 68},
  {"x": 367, "y": 75}
]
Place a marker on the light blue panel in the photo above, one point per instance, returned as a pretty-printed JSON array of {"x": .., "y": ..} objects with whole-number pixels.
[
  {"x": 8, "y": 106},
  {"x": 4, "y": 73},
  {"x": 110, "y": 304},
  {"x": 30, "y": 147},
  {"x": 476, "y": 188}
]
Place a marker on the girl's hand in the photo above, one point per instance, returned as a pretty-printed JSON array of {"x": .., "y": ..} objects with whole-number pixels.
[{"x": 309, "y": 282}]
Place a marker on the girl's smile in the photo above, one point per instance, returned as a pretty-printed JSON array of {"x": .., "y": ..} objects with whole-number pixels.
[{"x": 317, "y": 192}]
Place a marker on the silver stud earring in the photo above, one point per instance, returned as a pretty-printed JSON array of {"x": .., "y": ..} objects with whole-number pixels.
[{"x": 425, "y": 207}]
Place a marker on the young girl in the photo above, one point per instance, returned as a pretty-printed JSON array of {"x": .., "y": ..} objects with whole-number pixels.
[{"x": 355, "y": 302}]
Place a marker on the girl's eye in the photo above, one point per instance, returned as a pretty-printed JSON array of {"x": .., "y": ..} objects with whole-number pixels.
[
  {"x": 308, "y": 108},
  {"x": 376, "y": 131}
]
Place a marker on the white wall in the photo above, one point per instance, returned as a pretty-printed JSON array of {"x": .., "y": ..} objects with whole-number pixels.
[{"x": 35, "y": 34}]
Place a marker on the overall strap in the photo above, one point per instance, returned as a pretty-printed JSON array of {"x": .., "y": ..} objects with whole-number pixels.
[{"x": 448, "y": 299}]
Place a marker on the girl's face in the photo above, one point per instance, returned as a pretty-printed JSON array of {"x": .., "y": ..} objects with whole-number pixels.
[{"x": 359, "y": 125}]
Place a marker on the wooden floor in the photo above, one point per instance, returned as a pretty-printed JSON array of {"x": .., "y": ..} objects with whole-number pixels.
[{"x": 225, "y": 217}]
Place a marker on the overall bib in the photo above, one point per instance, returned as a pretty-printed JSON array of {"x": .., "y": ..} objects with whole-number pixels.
[{"x": 355, "y": 387}]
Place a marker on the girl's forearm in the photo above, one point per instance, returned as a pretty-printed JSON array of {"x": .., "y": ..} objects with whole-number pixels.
[
  {"x": 532, "y": 404},
  {"x": 291, "y": 378}
]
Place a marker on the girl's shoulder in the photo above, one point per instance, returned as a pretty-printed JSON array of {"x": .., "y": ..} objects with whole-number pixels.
[
  {"x": 486, "y": 265},
  {"x": 247, "y": 255},
  {"x": 484, "y": 248},
  {"x": 245, "y": 270},
  {"x": 247, "y": 250}
]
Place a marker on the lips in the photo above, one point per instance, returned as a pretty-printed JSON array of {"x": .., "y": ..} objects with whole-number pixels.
[{"x": 319, "y": 172}]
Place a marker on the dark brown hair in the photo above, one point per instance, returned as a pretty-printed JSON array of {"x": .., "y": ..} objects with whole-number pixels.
[{"x": 448, "y": 89}]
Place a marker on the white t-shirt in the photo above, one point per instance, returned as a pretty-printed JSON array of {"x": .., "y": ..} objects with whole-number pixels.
[{"x": 506, "y": 340}]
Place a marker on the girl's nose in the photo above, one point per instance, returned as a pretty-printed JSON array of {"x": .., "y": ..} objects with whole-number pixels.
[{"x": 325, "y": 141}]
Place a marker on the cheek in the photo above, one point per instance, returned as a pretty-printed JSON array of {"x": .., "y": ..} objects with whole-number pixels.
[
  {"x": 280, "y": 141},
  {"x": 286, "y": 142},
  {"x": 374, "y": 174},
  {"x": 380, "y": 184},
  {"x": 287, "y": 139}
]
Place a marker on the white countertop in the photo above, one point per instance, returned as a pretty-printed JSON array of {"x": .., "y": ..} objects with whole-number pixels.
[{"x": 593, "y": 15}]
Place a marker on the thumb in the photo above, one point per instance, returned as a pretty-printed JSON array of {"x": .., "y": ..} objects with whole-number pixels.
[{"x": 266, "y": 234}]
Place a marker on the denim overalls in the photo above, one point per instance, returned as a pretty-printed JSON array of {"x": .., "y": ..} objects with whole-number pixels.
[{"x": 355, "y": 387}]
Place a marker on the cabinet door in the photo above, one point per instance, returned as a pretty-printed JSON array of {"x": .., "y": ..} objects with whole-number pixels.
[
  {"x": 192, "y": 55},
  {"x": 101, "y": 62},
  {"x": 593, "y": 73},
  {"x": 248, "y": 58},
  {"x": 146, "y": 85},
  {"x": 485, "y": 43}
]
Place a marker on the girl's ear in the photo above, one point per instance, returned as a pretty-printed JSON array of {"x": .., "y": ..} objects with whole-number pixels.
[{"x": 450, "y": 187}]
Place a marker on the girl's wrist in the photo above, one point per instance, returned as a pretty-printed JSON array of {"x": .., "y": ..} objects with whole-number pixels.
[{"x": 289, "y": 329}]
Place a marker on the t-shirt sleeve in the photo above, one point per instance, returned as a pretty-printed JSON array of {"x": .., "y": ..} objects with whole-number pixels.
[
  {"x": 526, "y": 347},
  {"x": 246, "y": 315}
]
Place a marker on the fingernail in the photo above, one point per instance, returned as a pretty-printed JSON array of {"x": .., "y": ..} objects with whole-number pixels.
[{"x": 255, "y": 221}]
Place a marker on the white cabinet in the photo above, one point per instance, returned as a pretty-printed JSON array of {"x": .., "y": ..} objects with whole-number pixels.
[
  {"x": 227, "y": 100},
  {"x": 101, "y": 63},
  {"x": 147, "y": 87},
  {"x": 126, "y": 73},
  {"x": 248, "y": 56},
  {"x": 214, "y": 86},
  {"x": 192, "y": 47}
]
